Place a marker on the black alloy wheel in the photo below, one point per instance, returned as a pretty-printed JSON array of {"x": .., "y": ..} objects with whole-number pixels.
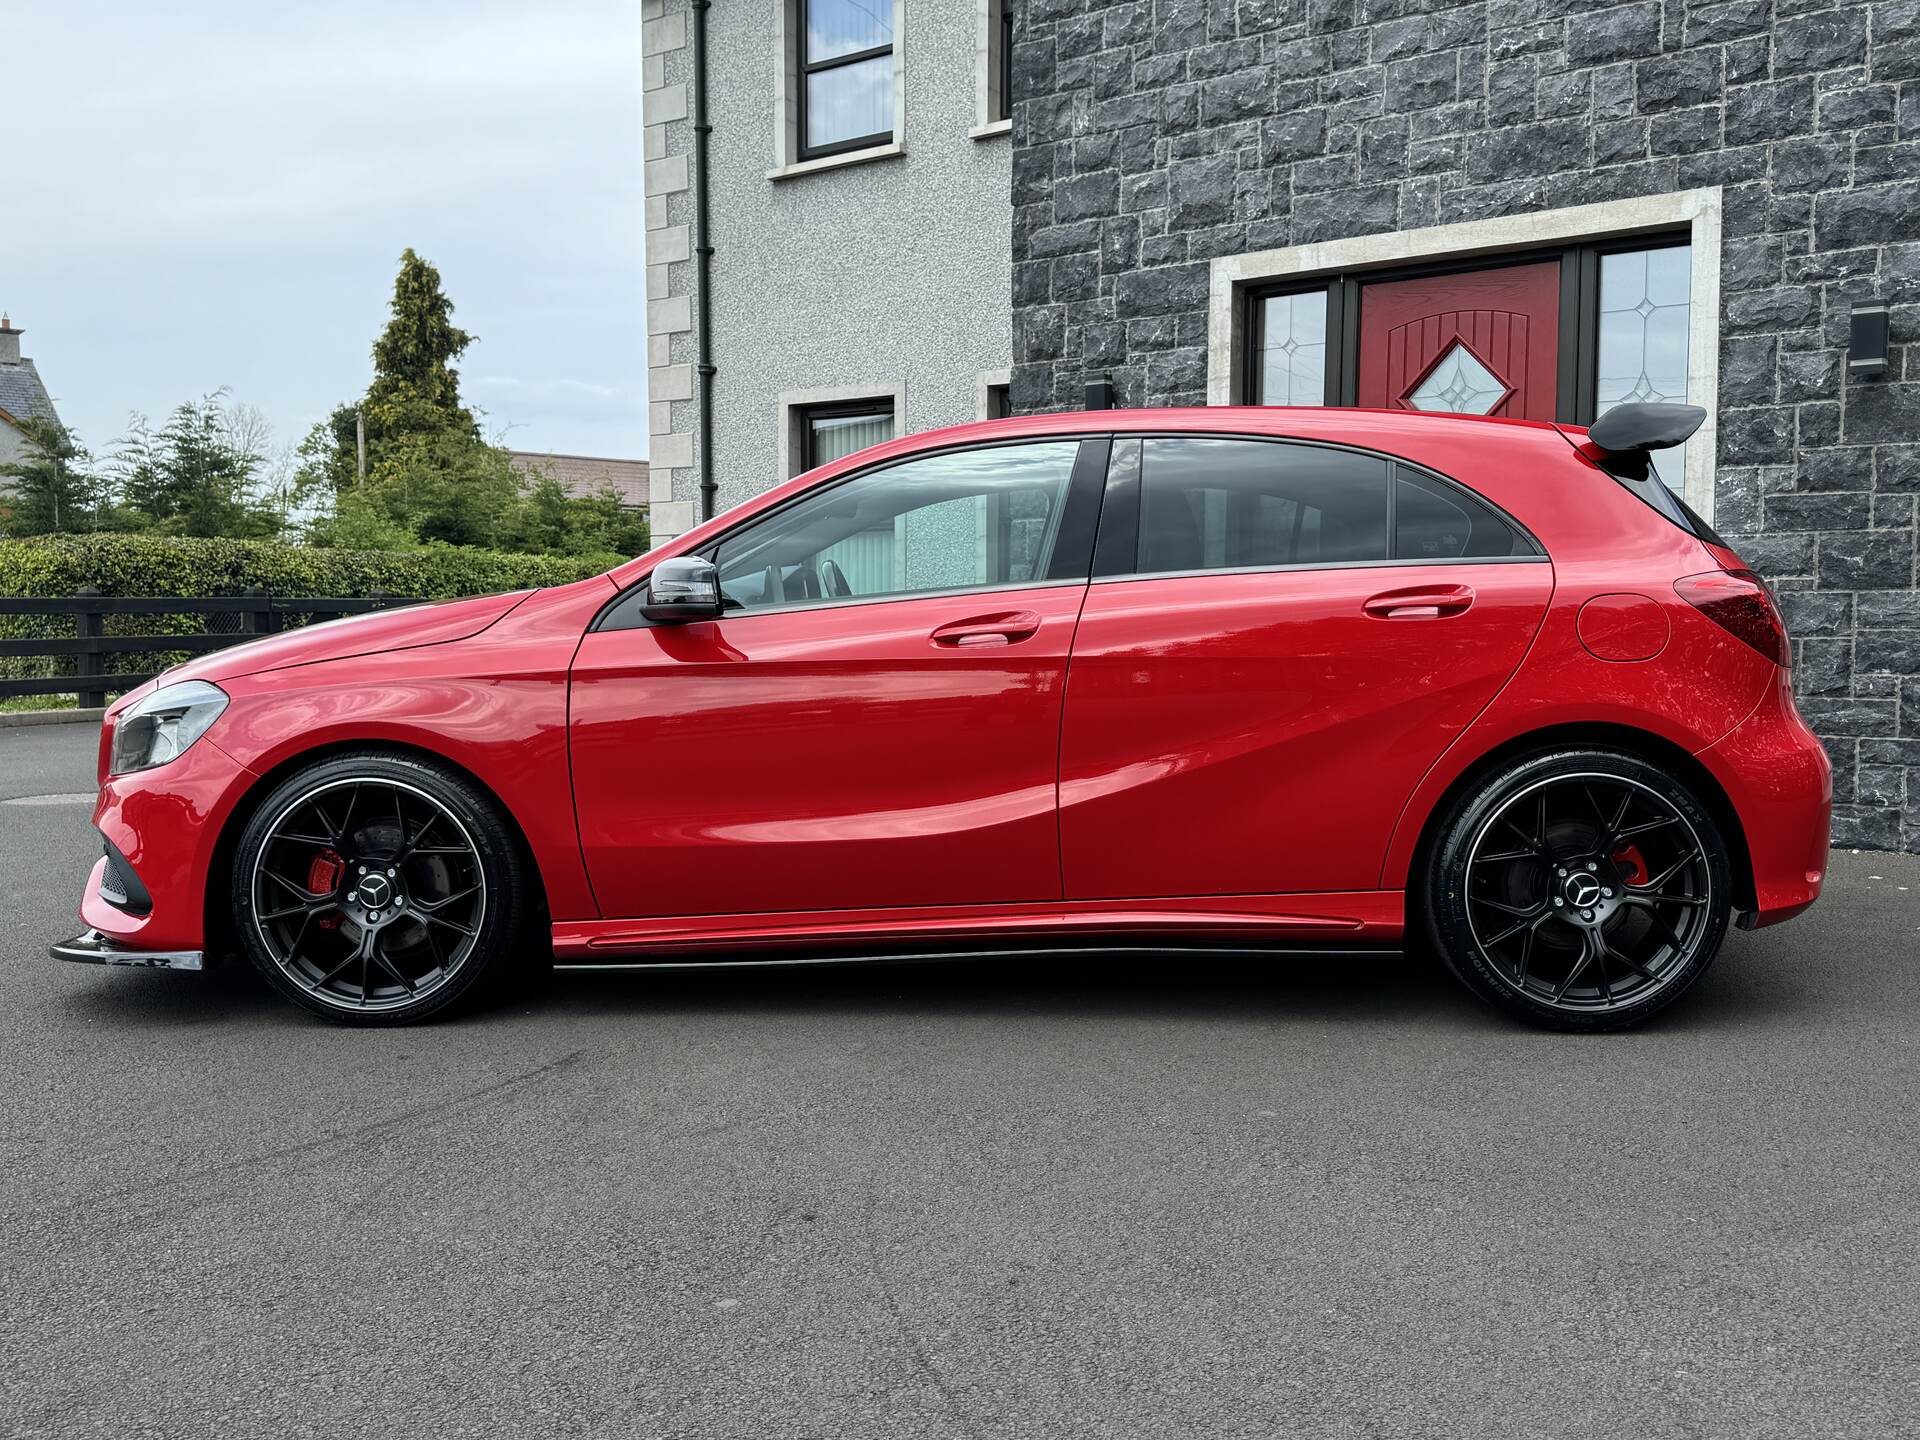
[
  {"x": 1581, "y": 890},
  {"x": 375, "y": 888}
]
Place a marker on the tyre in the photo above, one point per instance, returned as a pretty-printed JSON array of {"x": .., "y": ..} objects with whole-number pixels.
[
  {"x": 377, "y": 889},
  {"x": 1579, "y": 889}
]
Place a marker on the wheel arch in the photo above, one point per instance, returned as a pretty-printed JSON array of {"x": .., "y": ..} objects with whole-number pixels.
[
  {"x": 1643, "y": 744},
  {"x": 218, "y": 917}
]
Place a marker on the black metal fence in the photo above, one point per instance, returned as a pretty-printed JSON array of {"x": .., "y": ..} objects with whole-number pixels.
[{"x": 118, "y": 642}]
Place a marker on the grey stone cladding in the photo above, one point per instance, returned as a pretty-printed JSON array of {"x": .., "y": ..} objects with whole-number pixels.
[{"x": 1153, "y": 135}]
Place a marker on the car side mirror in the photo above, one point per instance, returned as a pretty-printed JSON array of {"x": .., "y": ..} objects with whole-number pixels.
[{"x": 683, "y": 589}]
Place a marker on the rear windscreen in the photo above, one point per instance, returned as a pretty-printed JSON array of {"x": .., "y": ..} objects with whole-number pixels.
[{"x": 1635, "y": 472}]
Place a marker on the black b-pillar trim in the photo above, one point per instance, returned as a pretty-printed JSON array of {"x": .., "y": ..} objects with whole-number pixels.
[
  {"x": 1117, "y": 551},
  {"x": 1080, "y": 520}
]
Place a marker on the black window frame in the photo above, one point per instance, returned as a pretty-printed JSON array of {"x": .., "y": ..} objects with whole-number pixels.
[
  {"x": 806, "y": 69},
  {"x": 1578, "y": 363},
  {"x": 1004, "y": 63},
  {"x": 1117, "y": 545},
  {"x": 805, "y": 415}
]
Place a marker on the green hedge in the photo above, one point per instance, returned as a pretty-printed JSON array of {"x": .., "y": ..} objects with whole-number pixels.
[{"x": 58, "y": 566}]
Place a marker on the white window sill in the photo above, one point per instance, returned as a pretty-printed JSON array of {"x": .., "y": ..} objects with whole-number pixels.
[
  {"x": 833, "y": 162},
  {"x": 989, "y": 130}
]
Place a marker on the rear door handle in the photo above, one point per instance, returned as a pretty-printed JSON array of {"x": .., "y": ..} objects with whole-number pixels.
[
  {"x": 1420, "y": 602},
  {"x": 1009, "y": 627}
]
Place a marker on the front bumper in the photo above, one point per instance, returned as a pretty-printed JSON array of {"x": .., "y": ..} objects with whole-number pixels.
[
  {"x": 92, "y": 948},
  {"x": 165, "y": 823}
]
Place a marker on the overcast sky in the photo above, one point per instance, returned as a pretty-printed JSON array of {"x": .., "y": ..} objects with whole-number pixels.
[{"x": 216, "y": 192}]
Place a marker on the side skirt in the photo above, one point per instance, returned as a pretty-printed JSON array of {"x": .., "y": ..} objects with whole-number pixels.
[
  {"x": 792, "y": 960},
  {"x": 1340, "y": 921}
]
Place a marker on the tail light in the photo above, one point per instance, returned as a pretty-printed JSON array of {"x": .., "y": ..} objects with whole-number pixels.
[{"x": 1738, "y": 601}]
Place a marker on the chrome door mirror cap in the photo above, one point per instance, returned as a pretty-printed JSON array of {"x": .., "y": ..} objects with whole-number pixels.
[{"x": 681, "y": 590}]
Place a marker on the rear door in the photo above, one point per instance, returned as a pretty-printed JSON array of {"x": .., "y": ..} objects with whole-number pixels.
[
  {"x": 1279, "y": 640},
  {"x": 875, "y": 722}
]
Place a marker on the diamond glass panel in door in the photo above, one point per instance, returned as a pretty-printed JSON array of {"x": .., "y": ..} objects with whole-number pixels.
[
  {"x": 1293, "y": 349},
  {"x": 847, "y": 99},
  {"x": 1646, "y": 301},
  {"x": 1458, "y": 384}
]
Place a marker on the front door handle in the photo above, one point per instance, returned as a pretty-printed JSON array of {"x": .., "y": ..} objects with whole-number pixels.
[
  {"x": 1008, "y": 627},
  {"x": 1421, "y": 602}
]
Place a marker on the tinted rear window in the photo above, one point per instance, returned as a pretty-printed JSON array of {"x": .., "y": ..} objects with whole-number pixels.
[
  {"x": 1433, "y": 520},
  {"x": 1213, "y": 504}
]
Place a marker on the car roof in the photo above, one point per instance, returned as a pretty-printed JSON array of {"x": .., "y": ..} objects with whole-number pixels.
[{"x": 1350, "y": 423}]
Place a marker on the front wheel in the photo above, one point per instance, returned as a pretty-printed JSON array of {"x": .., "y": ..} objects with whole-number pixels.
[
  {"x": 376, "y": 889},
  {"x": 1580, "y": 889}
]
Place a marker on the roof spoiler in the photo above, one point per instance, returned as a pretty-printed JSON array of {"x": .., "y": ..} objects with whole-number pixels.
[
  {"x": 1622, "y": 441},
  {"x": 1637, "y": 428}
]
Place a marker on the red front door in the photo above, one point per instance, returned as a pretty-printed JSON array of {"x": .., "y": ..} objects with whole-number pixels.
[
  {"x": 845, "y": 757},
  {"x": 1486, "y": 342}
]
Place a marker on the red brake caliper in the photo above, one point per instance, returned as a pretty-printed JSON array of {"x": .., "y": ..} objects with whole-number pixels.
[
  {"x": 1633, "y": 865},
  {"x": 323, "y": 878}
]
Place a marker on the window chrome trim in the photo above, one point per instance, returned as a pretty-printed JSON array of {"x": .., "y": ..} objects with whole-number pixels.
[
  {"x": 1321, "y": 565},
  {"x": 843, "y": 602}
]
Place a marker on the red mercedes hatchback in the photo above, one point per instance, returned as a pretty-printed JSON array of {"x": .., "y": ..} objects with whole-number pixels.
[{"x": 1259, "y": 679}]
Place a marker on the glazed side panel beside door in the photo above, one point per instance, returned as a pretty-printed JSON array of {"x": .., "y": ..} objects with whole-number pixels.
[{"x": 832, "y": 758}]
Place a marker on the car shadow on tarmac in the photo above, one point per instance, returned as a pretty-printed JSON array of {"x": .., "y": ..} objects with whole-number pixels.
[{"x": 1369, "y": 988}]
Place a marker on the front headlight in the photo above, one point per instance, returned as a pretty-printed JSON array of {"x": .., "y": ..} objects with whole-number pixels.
[{"x": 162, "y": 726}]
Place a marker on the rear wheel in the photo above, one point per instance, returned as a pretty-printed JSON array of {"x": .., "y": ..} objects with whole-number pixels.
[
  {"x": 1580, "y": 889},
  {"x": 376, "y": 889}
]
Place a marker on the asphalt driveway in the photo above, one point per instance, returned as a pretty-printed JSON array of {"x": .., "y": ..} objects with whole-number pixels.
[{"x": 1075, "y": 1198}]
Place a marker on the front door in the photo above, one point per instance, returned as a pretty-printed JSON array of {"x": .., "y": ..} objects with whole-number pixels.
[
  {"x": 1250, "y": 711},
  {"x": 1482, "y": 342},
  {"x": 875, "y": 723}
]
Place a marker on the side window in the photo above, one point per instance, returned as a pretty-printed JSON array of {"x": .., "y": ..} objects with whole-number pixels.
[
  {"x": 1212, "y": 504},
  {"x": 1435, "y": 521},
  {"x": 965, "y": 519}
]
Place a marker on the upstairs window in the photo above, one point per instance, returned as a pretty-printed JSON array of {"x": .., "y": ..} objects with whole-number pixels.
[{"x": 846, "y": 75}]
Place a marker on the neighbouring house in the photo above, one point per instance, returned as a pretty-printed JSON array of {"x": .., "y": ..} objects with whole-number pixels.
[
  {"x": 856, "y": 198},
  {"x": 23, "y": 396},
  {"x": 1497, "y": 206},
  {"x": 587, "y": 474}
]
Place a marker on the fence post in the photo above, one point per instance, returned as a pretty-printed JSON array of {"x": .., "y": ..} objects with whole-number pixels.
[
  {"x": 89, "y": 625},
  {"x": 261, "y": 619}
]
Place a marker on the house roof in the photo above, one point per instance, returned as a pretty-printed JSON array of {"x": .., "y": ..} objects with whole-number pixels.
[
  {"x": 22, "y": 395},
  {"x": 585, "y": 474}
]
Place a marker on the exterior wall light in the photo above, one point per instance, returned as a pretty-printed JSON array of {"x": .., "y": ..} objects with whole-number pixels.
[{"x": 1867, "y": 340}]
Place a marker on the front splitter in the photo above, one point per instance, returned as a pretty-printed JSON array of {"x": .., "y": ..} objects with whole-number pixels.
[{"x": 90, "y": 947}]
